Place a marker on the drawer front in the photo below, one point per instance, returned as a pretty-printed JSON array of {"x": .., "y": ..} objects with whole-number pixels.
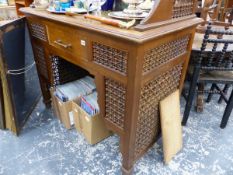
[{"x": 68, "y": 39}]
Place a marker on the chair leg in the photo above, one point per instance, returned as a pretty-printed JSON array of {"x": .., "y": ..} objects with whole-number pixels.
[
  {"x": 200, "y": 97},
  {"x": 184, "y": 94},
  {"x": 225, "y": 89},
  {"x": 210, "y": 94},
  {"x": 185, "y": 90},
  {"x": 227, "y": 111},
  {"x": 191, "y": 94}
]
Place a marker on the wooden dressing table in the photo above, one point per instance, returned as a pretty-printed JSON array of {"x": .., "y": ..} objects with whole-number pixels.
[{"x": 134, "y": 69}]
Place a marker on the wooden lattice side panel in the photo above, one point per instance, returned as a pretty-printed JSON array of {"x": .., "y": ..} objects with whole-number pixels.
[
  {"x": 45, "y": 86},
  {"x": 38, "y": 31},
  {"x": 64, "y": 71},
  {"x": 111, "y": 58},
  {"x": 39, "y": 54},
  {"x": 115, "y": 96},
  {"x": 182, "y": 8},
  {"x": 148, "y": 125},
  {"x": 165, "y": 52}
]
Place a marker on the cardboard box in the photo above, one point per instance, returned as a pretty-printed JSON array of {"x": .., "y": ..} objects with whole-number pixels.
[
  {"x": 77, "y": 118},
  {"x": 63, "y": 110},
  {"x": 92, "y": 127}
]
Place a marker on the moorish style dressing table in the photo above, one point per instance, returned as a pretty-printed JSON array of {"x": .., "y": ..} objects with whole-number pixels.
[{"x": 134, "y": 69}]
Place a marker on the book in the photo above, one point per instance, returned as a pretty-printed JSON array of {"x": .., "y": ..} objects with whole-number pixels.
[
  {"x": 75, "y": 89},
  {"x": 89, "y": 81},
  {"x": 89, "y": 104}
]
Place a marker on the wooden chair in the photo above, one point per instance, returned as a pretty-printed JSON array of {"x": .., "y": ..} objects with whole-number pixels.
[
  {"x": 230, "y": 17},
  {"x": 210, "y": 10},
  {"x": 215, "y": 67},
  {"x": 201, "y": 86},
  {"x": 226, "y": 11}
]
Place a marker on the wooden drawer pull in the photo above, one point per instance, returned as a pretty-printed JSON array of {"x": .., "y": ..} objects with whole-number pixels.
[{"x": 59, "y": 42}]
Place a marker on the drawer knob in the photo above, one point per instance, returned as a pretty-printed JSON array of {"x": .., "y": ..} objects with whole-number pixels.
[{"x": 60, "y": 43}]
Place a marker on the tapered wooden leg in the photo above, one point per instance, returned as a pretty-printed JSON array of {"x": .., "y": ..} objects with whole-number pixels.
[
  {"x": 225, "y": 89},
  {"x": 128, "y": 139},
  {"x": 45, "y": 92},
  {"x": 210, "y": 94},
  {"x": 200, "y": 98},
  {"x": 227, "y": 111},
  {"x": 127, "y": 171},
  {"x": 127, "y": 155},
  {"x": 191, "y": 94}
]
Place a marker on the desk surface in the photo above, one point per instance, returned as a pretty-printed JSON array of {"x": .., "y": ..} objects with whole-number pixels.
[{"x": 131, "y": 34}]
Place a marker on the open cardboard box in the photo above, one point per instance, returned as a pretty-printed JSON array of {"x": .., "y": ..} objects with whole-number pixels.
[
  {"x": 92, "y": 127},
  {"x": 63, "y": 110}
]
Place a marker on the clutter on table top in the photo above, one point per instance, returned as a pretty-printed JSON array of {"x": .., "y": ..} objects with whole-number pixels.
[{"x": 136, "y": 10}]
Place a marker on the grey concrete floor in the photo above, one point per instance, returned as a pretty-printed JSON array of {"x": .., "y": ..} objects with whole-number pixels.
[{"x": 45, "y": 147}]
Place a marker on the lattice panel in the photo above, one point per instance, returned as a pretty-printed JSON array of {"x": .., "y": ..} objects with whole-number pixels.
[
  {"x": 148, "y": 125},
  {"x": 45, "y": 86},
  {"x": 38, "y": 31},
  {"x": 164, "y": 53},
  {"x": 40, "y": 61},
  {"x": 183, "y": 8},
  {"x": 115, "y": 94},
  {"x": 109, "y": 57},
  {"x": 64, "y": 71}
]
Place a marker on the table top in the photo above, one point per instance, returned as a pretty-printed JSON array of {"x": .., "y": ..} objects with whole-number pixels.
[
  {"x": 198, "y": 38},
  {"x": 131, "y": 34}
]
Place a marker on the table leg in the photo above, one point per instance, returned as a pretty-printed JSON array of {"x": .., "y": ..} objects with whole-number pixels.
[
  {"x": 45, "y": 92},
  {"x": 126, "y": 172}
]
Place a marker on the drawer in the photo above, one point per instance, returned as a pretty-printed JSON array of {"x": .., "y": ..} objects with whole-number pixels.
[{"x": 68, "y": 39}]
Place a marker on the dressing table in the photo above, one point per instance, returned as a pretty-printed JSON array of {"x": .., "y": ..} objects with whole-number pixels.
[{"x": 134, "y": 69}]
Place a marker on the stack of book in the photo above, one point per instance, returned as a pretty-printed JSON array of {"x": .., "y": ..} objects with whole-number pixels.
[
  {"x": 85, "y": 89},
  {"x": 75, "y": 89},
  {"x": 89, "y": 104},
  {"x": 89, "y": 81}
]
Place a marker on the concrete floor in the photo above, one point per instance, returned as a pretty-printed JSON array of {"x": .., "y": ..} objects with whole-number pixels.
[{"x": 45, "y": 147}]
